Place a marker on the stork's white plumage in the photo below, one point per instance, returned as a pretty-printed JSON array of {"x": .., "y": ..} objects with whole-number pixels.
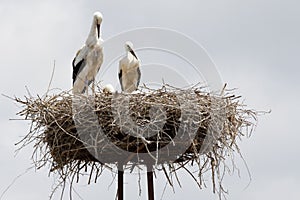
[
  {"x": 108, "y": 89},
  {"x": 88, "y": 59},
  {"x": 129, "y": 70}
]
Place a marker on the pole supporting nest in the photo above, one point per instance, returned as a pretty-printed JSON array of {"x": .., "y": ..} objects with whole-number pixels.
[
  {"x": 150, "y": 183},
  {"x": 120, "y": 185}
]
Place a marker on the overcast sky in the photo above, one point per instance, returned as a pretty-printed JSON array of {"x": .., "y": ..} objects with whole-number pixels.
[{"x": 254, "y": 44}]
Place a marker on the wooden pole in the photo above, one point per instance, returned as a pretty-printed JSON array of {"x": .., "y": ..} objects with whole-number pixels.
[
  {"x": 150, "y": 183},
  {"x": 120, "y": 184}
]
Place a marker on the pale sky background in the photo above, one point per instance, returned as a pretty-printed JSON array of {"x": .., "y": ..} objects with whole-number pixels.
[{"x": 255, "y": 45}]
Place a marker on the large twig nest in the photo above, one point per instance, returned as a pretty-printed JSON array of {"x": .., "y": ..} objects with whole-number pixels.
[{"x": 63, "y": 129}]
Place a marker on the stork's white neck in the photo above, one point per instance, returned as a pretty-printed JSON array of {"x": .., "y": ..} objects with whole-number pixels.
[
  {"x": 130, "y": 57},
  {"x": 92, "y": 38}
]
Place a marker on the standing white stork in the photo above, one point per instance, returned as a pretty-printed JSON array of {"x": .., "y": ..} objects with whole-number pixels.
[
  {"x": 88, "y": 59},
  {"x": 129, "y": 70}
]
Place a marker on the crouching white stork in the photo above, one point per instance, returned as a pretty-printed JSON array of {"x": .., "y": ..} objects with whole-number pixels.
[
  {"x": 88, "y": 59},
  {"x": 108, "y": 89},
  {"x": 129, "y": 70}
]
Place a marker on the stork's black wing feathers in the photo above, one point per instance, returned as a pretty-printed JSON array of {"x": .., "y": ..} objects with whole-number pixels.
[
  {"x": 120, "y": 78},
  {"x": 77, "y": 68},
  {"x": 139, "y": 77}
]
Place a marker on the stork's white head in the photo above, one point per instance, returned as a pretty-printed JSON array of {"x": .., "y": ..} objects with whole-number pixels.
[
  {"x": 128, "y": 46},
  {"x": 97, "y": 21},
  {"x": 108, "y": 89}
]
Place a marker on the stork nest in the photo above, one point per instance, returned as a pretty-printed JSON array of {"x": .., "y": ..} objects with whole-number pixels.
[{"x": 65, "y": 131}]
